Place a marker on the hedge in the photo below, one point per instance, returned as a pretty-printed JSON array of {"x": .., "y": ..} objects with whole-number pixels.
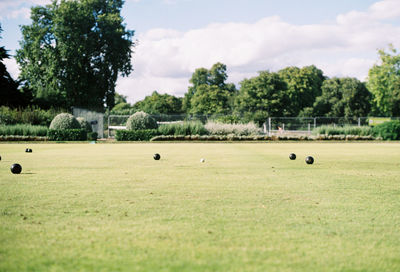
[
  {"x": 67, "y": 135},
  {"x": 135, "y": 135},
  {"x": 388, "y": 130},
  {"x": 261, "y": 138},
  {"x": 22, "y": 138}
]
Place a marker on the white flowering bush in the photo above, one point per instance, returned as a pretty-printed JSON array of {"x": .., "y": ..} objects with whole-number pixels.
[
  {"x": 65, "y": 121},
  {"x": 215, "y": 128},
  {"x": 141, "y": 120}
]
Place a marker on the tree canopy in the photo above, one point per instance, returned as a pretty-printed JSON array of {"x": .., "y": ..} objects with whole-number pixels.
[
  {"x": 384, "y": 83},
  {"x": 159, "y": 104},
  {"x": 343, "y": 97},
  {"x": 263, "y": 96},
  {"x": 73, "y": 52},
  {"x": 209, "y": 93},
  {"x": 9, "y": 93}
]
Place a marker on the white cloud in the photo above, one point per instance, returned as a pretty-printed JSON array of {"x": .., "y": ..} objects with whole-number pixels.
[
  {"x": 12, "y": 9},
  {"x": 165, "y": 58},
  {"x": 12, "y": 67}
]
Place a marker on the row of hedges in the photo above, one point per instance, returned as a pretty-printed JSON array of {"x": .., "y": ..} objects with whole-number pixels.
[
  {"x": 260, "y": 138},
  {"x": 10, "y": 138},
  {"x": 23, "y": 130},
  {"x": 345, "y": 130},
  {"x": 136, "y": 135},
  {"x": 29, "y": 115}
]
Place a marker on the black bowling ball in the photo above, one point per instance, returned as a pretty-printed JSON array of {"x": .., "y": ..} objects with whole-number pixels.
[
  {"x": 309, "y": 160},
  {"x": 16, "y": 168},
  {"x": 156, "y": 156},
  {"x": 292, "y": 156}
]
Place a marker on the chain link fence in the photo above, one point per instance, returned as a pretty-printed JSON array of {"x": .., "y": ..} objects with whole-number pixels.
[{"x": 271, "y": 126}]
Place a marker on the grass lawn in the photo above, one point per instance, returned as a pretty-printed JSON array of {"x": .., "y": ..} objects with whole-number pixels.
[{"x": 111, "y": 207}]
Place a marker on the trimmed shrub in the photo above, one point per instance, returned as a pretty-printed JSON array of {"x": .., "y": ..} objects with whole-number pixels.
[
  {"x": 235, "y": 129},
  {"x": 67, "y": 134},
  {"x": 84, "y": 124},
  {"x": 135, "y": 135},
  {"x": 183, "y": 128},
  {"x": 64, "y": 121},
  {"x": 22, "y": 138},
  {"x": 345, "y": 130},
  {"x": 23, "y": 130},
  {"x": 92, "y": 136},
  {"x": 388, "y": 130},
  {"x": 141, "y": 120}
]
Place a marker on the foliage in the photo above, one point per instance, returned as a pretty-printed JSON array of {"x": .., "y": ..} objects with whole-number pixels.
[
  {"x": 19, "y": 138},
  {"x": 29, "y": 115},
  {"x": 343, "y": 97},
  {"x": 304, "y": 85},
  {"x": 183, "y": 128},
  {"x": 64, "y": 121},
  {"x": 215, "y": 128},
  {"x": 67, "y": 134},
  {"x": 23, "y": 130},
  {"x": 73, "y": 52},
  {"x": 84, "y": 124},
  {"x": 141, "y": 120},
  {"x": 92, "y": 136},
  {"x": 262, "y": 96},
  {"x": 135, "y": 135},
  {"x": 384, "y": 83},
  {"x": 211, "y": 99},
  {"x": 220, "y": 98},
  {"x": 345, "y": 130},
  {"x": 9, "y": 93},
  {"x": 388, "y": 130},
  {"x": 159, "y": 104}
]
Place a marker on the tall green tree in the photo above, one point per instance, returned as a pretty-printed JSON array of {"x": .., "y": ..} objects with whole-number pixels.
[
  {"x": 159, "y": 104},
  {"x": 343, "y": 97},
  {"x": 384, "y": 83},
  {"x": 212, "y": 81},
  {"x": 9, "y": 93},
  {"x": 263, "y": 96},
  {"x": 73, "y": 52},
  {"x": 304, "y": 86}
]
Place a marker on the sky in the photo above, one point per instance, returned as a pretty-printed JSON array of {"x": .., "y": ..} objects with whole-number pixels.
[{"x": 175, "y": 37}]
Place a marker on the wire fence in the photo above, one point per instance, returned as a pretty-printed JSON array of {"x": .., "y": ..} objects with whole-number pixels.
[{"x": 271, "y": 126}]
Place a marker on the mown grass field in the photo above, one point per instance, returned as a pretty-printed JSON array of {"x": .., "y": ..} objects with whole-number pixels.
[{"x": 111, "y": 207}]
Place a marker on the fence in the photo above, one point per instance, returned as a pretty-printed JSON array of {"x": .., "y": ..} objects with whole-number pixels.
[{"x": 272, "y": 126}]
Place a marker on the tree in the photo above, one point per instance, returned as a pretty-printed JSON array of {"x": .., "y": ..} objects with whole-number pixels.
[
  {"x": 209, "y": 80},
  {"x": 73, "y": 52},
  {"x": 304, "y": 85},
  {"x": 210, "y": 99},
  {"x": 384, "y": 83},
  {"x": 343, "y": 97},
  {"x": 159, "y": 104},
  {"x": 9, "y": 93},
  {"x": 263, "y": 96}
]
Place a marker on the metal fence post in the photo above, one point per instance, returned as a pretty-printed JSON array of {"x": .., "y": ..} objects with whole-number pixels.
[
  {"x": 269, "y": 126},
  {"x": 359, "y": 121},
  {"x": 315, "y": 122},
  {"x": 108, "y": 126}
]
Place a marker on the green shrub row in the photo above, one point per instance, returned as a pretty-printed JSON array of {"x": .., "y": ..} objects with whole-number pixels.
[
  {"x": 23, "y": 130},
  {"x": 183, "y": 128},
  {"x": 345, "y": 130},
  {"x": 388, "y": 130},
  {"x": 135, "y": 135},
  {"x": 29, "y": 115},
  {"x": 67, "y": 135},
  {"x": 260, "y": 138},
  {"x": 22, "y": 138}
]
